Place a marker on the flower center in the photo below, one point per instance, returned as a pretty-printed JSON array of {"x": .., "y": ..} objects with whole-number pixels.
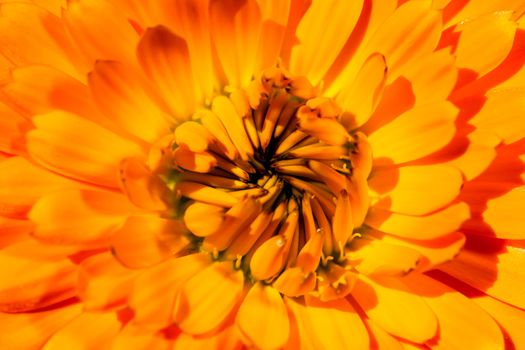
[{"x": 269, "y": 178}]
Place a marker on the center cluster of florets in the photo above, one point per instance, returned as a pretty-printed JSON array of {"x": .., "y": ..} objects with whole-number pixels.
[{"x": 271, "y": 180}]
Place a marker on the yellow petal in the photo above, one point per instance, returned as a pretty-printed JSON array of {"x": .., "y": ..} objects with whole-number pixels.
[
  {"x": 206, "y": 194},
  {"x": 324, "y": 19},
  {"x": 262, "y": 318},
  {"x": 395, "y": 308},
  {"x": 415, "y": 190},
  {"x": 360, "y": 98},
  {"x": 381, "y": 339},
  {"x": 433, "y": 76},
  {"x": 328, "y": 325},
  {"x": 429, "y": 226},
  {"x": 472, "y": 52},
  {"x": 502, "y": 114},
  {"x": 225, "y": 111},
  {"x": 206, "y": 300},
  {"x": 415, "y": 134},
  {"x": 509, "y": 318},
  {"x": 123, "y": 95},
  {"x": 479, "y": 154},
  {"x": 79, "y": 148},
  {"x": 376, "y": 257},
  {"x": 433, "y": 252},
  {"x": 493, "y": 273},
  {"x": 165, "y": 58},
  {"x": 505, "y": 215},
  {"x": 461, "y": 322},
  {"x": 412, "y": 31}
]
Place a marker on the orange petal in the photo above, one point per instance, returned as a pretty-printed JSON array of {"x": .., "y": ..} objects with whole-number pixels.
[
  {"x": 295, "y": 281},
  {"x": 262, "y": 318},
  {"x": 430, "y": 226},
  {"x": 31, "y": 330},
  {"x": 360, "y": 98},
  {"x": 328, "y": 325},
  {"x": 473, "y": 53},
  {"x": 144, "y": 241},
  {"x": 143, "y": 188},
  {"x": 32, "y": 35},
  {"x": 395, "y": 308},
  {"x": 226, "y": 338},
  {"x": 461, "y": 322},
  {"x": 31, "y": 282},
  {"x": 511, "y": 319},
  {"x": 165, "y": 58},
  {"x": 502, "y": 114},
  {"x": 415, "y": 190},
  {"x": 83, "y": 217},
  {"x": 13, "y": 127},
  {"x": 193, "y": 218},
  {"x": 100, "y": 31},
  {"x": 190, "y": 20},
  {"x": 494, "y": 274},
  {"x": 207, "y": 299},
  {"x": 194, "y": 136},
  {"x": 22, "y": 184},
  {"x": 79, "y": 148},
  {"x": 87, "y": 331},
  {"x": 38, "y": 89},
  {"x": 274, "y": 19},
  {"x": 235, "y": 28},
  {"x": 322, "y": 33},
  {"x": 415, "y": 134},
  {"x": 153, "y": 294},
  {"x": 13, "y": 230},
  {"x": 123, "y": 95},
  {"x": 376, "y": 257},
  {"x": 104, "y": 284},
  {"x": 137, "y": 338}
]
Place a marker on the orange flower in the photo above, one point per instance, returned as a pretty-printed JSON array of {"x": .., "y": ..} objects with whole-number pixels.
[{"x": 227, "y": 174}]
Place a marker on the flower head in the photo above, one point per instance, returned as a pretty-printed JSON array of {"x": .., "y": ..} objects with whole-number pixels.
[{"x": 261, "y": 174}]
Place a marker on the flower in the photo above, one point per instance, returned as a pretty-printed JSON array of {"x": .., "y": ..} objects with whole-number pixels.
[{"x": 262, "y": 174}]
